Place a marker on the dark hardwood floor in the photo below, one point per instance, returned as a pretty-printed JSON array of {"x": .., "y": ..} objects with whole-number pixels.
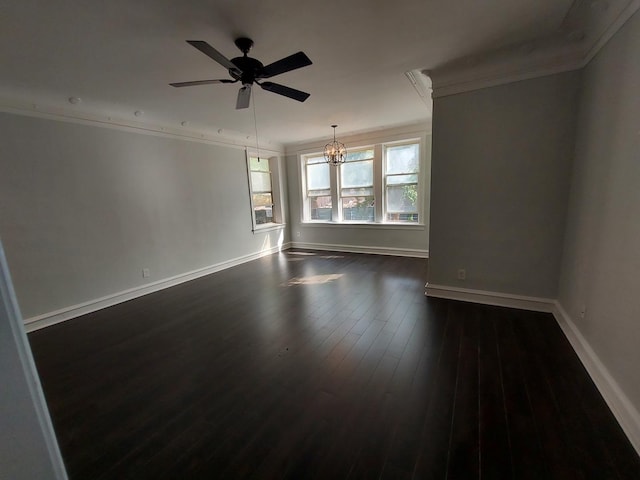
[{"x": 323, "y": 365}]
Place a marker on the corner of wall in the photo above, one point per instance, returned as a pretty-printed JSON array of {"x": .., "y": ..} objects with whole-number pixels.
[{"x": 623, "y": 409}]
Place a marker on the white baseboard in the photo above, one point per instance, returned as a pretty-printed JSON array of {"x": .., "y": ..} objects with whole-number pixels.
[
  {"x": 398, "y": 252},
  {"x": 51, "y": 318},
  {"x": 522, "y": 302},
  {"x": 627, "y": 415}
]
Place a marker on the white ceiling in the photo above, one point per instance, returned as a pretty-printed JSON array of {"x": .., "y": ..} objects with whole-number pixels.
[{"x": 120, "y": 55}]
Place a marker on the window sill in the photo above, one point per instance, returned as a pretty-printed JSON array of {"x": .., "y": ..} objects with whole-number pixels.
[
  {"x": 369, "y": 225},
  {"x": 269, "y": 228}
]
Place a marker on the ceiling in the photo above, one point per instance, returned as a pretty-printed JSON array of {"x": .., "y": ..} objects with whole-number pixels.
[{"x": 119, "y": 56}]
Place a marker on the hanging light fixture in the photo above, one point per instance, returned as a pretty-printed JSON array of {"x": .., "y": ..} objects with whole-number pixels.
[{"x": 335, "y": 152}]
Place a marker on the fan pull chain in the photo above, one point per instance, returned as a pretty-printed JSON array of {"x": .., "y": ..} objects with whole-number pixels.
[{"x": 255, "y": 124}]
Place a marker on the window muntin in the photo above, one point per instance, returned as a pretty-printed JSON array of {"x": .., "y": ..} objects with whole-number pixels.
[
  {"x": 357, "y": 199},
  {"x": 261, "y": 191},
  {"x": 402, "y": 166}
]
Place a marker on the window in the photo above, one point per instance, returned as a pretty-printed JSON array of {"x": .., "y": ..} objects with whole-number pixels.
[
  {"x": 261, "y": 191},
  {"x": 402, "y": 167},
  {"x": 319, "y": 202},
  {"x": 376, "y": 184},
  {"x": 357, "y": 199}
]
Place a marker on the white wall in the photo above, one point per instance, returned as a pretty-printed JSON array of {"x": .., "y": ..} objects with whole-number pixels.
[
  {"x": 501, "y": 164},
  {"x": 83, "y": 209},
  {"x": 410, "y": 240},
  {"x": 601, "y": 264},
  {"x": 28, "y": 446}
]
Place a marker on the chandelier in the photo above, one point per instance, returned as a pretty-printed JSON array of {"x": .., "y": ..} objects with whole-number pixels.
[{"x": 335, "y": 152}]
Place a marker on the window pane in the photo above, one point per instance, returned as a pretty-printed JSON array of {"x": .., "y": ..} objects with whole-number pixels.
[
  {"x": 316, "y": 160},
  {"x": 318, "y": 176},
  {"x": 403, "y": 158},
  {"x": 319, "y": 193},
  {"x": 402, "y": 199},
  {"x": 357, "y": 192},
  {"x": 402, "y": 217},
  {"x": 361, "y": 155},
  {"x": 261, "y": 181},
  {"x": 262, "y": 200},
  {"x": 400, "y": 179},
  {"x": 263, "y": 208},
  {"x": 357, "y": 174},
  {"x": 259, "y": 164},
  {"x": 358, "y": 209},
  {"x": 320, "y": 208}
]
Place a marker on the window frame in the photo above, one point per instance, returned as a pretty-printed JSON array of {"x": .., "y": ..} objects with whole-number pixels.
[
  {"x": 418, "y": 183},
  {"x": 379, "y": 187},
  {"x": 306, "y": 203},
  {"x": 275, "y": 170},
  {"x": 340, "y": 187}
]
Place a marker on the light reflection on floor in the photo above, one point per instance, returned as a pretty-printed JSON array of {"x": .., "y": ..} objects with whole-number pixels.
[{"x": 313, "y": 279}]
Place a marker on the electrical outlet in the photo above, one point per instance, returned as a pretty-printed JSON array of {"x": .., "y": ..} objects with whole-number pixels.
[
  {"x": 298, "y": 234},
  {"x": 462, "y": 274},
  {"x": 146, "y": 273}
]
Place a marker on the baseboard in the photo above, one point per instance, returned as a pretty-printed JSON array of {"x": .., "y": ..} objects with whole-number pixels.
[
  {"x": 51, "y": 318},
  {"x": 522, "y": 302},
  {"x": 627, "y": 415},
  {"x": 398, "y": 252}
]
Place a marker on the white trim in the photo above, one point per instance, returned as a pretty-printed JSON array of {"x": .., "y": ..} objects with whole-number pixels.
[
  {"x": 269, "y": 227},
  {"x": 397, "y": 252},
  {"x": 366, "y": 225},
  {"x": 454, "y": 80},
  {"x": 67, "y": 313},
  {"x": 11, "y": 312},
  {"x": 224, "y": 138},
  {"x": 627, "y": 415},
  {"x": 472, "y": 84},
  {"x": 624, "y": 15},
  {"x": 537, "y": 304},
  {"x": 364, "y": 139}
]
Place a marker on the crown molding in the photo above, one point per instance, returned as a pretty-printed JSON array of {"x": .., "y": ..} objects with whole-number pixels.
[
  {"x": 220, "y": 137},
  {"x": 610, "y": 29},
  {"x": 586, "y": 28},
  {"x": 365, "y": 137}
]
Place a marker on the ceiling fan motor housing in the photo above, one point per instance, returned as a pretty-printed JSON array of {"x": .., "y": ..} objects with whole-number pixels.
[{"x": 250, "y": 68}]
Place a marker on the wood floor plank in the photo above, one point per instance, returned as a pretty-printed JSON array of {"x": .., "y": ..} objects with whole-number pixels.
[
  {"x": 432, "y": 460},
  {"x": 527, "y": 458},
  {"x": 464, "y": 444},
  {"x": 495, "y": 445},
  {"x": 322, "y": 365}
]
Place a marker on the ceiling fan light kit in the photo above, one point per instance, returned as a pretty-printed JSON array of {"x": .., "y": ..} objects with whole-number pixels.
[{"x": 248, "y": 71}]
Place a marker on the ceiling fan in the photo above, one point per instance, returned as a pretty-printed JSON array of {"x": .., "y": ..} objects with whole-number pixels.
[{"x": 248, "y": 71}]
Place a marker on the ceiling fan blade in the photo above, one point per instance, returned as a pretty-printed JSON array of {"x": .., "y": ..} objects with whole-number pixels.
[
  {"x": 201, "y": 82},
  {"x": 292, "y": 62},
  {"x": 244, "y": 96},
  {"x": 286, "y": 91},
  {"x": 211, "y": 52}
]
